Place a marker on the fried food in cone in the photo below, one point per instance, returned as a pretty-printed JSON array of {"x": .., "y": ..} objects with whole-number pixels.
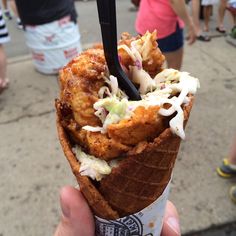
[{"x": 122, "y": 152}]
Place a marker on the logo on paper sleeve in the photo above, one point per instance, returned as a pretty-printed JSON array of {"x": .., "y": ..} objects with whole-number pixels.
[{"x": 126, "y": 226}]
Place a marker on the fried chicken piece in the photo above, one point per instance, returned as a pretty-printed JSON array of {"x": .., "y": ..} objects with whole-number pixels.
[
  {"x": 103, "y": 147},
  {"x": 95, "y": 143},
  {"x": 144, "y": 125},
  {"x": 125, "y": 59},
  {"x": 152, "y": 58},
  {"x": 80, "y": 82}
]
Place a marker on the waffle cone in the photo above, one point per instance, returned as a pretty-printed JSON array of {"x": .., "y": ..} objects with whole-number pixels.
[{"x": 138, "y": 180}]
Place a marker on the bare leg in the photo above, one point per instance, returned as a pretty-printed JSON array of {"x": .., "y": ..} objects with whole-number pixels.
[
  {"x": 4, "y": 4},
  {"x": 195, "y": 14},
  {"x": 14, "y": 8},
  {"x": 3, "y": 67},
  {"x": 207, "y": 14},
  {"x": 174, "y": 59},
  {"x": 221, "y": 13},
  {"x": 6, "y": 10}
]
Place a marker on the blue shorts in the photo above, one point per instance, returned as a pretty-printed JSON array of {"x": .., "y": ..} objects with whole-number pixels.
[{"x": 172, "y": 42}]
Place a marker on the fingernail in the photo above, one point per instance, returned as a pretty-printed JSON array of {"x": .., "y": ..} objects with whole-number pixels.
[
  {"x": 173, "y": 223},
  {"x": 65, "y": 210}
]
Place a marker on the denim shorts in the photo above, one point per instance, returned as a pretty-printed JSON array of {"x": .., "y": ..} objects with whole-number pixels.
[{"x": 172, "y": 42}]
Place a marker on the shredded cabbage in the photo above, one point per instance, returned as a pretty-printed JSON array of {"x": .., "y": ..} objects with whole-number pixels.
[{"x": 91, "y": 166}]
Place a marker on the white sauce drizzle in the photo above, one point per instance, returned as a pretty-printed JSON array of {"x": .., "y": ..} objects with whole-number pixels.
[{"x": 163, "y": 89}]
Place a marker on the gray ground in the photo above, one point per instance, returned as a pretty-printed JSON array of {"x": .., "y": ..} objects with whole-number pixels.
[{"x": 33, "y": 167}]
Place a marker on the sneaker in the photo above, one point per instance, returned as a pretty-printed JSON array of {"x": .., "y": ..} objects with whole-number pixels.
[
  {"x": 225, "y": 170},
  {"x": 232, "y": 193},
  {"x": 7, "y": 15}
]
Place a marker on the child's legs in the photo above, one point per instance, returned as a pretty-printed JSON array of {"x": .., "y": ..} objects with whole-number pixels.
[
  {"x": 14, "y": 8},
  {"x": 207, "y": 14},
  {"x": 221, "y": 12},
  {"x": 4, "y": 4},
  {"x": 195, "y": 14}
]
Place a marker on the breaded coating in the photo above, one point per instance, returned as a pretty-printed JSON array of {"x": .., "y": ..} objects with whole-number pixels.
[
  {"x": 152, "y": 57},
  {"x": 95, "y": 143},
  {"x": 124, "y": 57},
  {"x": 103, "y": 147},
  {"x": 80, "y": 82},
  {"x": 144, "y": 125}
]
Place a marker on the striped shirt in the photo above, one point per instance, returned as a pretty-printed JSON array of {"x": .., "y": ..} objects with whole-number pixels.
[{"x": 4, "y": 36}]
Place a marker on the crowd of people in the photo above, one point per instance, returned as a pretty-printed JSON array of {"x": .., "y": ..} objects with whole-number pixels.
[
  {"x": 51, "y": 25},
  {"x": 37, "y": 18}
]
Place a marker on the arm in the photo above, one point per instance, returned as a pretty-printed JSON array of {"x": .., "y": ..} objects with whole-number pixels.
[{"x": 180, "y": 9}]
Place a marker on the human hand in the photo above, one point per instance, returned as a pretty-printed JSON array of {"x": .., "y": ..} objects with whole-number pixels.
[
  {"x": 171, "y": 225},
  {"x": 191, "y": 34},
  {"x": 77, "y": 218}
]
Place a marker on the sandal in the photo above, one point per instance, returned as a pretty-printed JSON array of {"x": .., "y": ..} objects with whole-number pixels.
[
  {"x": 203, "y": 38},
  {"x": 225, "y": 171},
  {"x": 3, "y": 84},
  {"x": 221, "y": 30}
]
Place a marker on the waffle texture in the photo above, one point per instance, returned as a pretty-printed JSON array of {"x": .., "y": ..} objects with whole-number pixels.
[{"x": 138, "y": 180}]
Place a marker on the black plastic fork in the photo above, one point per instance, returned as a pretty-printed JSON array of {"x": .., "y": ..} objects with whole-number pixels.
[{"x": 107, "y": 20}]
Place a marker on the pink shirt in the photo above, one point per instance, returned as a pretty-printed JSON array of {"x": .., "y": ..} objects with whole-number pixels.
[{"x": 157, "y": 15}]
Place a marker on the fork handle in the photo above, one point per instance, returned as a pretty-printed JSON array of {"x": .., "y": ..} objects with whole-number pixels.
[{"x": 107, "y": 19}]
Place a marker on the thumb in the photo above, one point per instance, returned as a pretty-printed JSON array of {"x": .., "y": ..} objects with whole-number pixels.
[
  {"x": 77, "y": 219},
  {"x": 171, "y": 221}
]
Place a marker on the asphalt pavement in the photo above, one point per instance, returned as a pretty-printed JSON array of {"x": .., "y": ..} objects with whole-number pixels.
[{"x": 33, "y": 167}]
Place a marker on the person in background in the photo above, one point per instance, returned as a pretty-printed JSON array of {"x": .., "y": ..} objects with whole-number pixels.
[
  {"x": 7, "y": 14},
  {"x": 16, "y": 14},
  {"x": 228, "y": 169},
  {"x": 4, "y": 37},
  {"x": 196, "y": 19},
  {"x": 221, "y": 13},
  {"x": 168, "y": 18},
  {"x": 207, "y": 11},
  {"x": 51, "y": 32},
  {"x": 77, "y": 218}
]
